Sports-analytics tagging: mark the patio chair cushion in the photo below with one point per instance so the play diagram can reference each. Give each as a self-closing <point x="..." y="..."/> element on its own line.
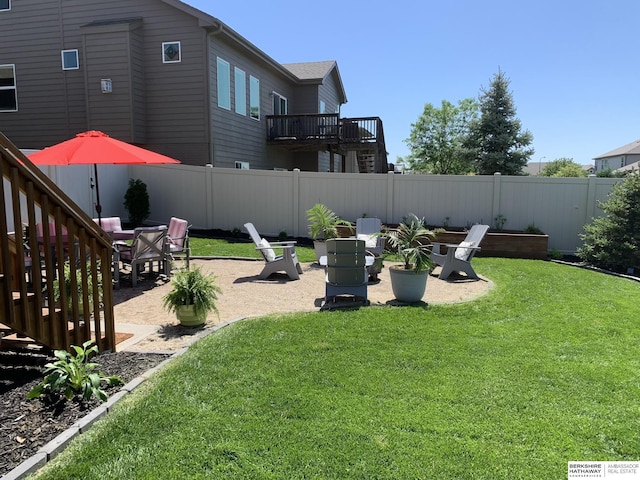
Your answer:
<point x="370" y="241"/>
<point x="270" y="255"/>
<point x="462" y="253"/>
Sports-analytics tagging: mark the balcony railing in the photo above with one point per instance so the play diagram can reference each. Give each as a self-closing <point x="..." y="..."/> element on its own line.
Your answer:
<point x="325" y="128"/>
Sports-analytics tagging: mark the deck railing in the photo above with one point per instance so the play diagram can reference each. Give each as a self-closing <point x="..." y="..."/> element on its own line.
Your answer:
<point x="324" y="127"/>
<point x="55" y="262"/>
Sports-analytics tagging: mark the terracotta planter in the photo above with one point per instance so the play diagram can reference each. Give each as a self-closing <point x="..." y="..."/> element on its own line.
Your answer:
<point x="504" y="244"/>
<point x="408" y="286"/>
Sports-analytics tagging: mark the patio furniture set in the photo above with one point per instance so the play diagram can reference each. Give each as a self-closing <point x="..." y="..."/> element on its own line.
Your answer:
<point x="159" y="244"/>
<point x="351" y="263"/>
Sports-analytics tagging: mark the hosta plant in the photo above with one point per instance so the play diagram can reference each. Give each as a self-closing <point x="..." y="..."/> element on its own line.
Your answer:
<point x="75" y="374"/>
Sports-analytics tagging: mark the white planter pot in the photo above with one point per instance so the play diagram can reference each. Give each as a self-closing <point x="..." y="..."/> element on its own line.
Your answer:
<point x="408" y="286"/>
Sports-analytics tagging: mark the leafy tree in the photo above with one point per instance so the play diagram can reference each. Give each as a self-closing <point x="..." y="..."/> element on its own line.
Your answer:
<point x="436" y="138"/>
<point x="612" y="241"/>
<point x="563" y="167"/>
<point x="496" y="142"/>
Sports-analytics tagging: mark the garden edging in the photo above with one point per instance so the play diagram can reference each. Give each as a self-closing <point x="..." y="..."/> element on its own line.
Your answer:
<point x="49" y="451"/>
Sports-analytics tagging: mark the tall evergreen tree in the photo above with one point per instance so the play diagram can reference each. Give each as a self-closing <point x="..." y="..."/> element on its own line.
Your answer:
<point x="496" y="142"/>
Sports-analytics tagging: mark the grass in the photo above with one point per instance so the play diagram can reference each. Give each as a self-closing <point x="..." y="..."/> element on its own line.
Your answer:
<point x="211" y="247"/>
<point x="541" y="371"/>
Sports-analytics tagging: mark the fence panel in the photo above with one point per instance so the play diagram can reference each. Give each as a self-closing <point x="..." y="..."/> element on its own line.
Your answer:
<point x="276" y="201"/>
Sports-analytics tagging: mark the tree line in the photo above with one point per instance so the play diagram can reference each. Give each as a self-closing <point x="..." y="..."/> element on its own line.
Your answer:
<point x="481" y="137"/>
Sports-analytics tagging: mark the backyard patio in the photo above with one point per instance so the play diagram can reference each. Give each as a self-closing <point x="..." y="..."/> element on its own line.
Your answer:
<point x="139" y="310"/>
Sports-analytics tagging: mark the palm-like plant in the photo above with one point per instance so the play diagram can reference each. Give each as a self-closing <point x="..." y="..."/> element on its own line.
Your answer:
<point x="323" y="222"/>
<point x="411" y="242"/>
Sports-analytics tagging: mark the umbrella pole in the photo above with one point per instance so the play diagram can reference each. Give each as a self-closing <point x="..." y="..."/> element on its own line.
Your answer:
<point x="98" y="206"/>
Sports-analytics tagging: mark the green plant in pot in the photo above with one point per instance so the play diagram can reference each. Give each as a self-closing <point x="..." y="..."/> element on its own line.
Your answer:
<point x="192" y="297"/>
<point x="323" y="225"/>
<point x="411" y="243"/>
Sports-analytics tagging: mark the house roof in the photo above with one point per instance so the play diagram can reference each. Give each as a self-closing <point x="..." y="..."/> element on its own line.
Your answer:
<point x="317" y="72"/>
<point x="629" y="149"/>
<point x="311" y="70"/>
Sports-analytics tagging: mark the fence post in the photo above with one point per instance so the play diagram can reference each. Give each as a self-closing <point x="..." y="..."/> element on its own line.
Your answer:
<point x="497" y="191"/>
<point x="210" y="204"/>
<point x="590" y="211"/>
<point x="295" y="195"/>
<point x="390" y="186"/>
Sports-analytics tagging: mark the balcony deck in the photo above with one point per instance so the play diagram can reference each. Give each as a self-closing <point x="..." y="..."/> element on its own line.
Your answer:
<point x="328" y="132"/>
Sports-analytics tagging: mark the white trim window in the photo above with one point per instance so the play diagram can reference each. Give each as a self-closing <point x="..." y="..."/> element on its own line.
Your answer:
<point x="171" y="52"/>
<point x="224" y="84"/>
<point x="5" y="5"/>
<point x="254" y="97"/>
<point x="280" y="104"/>
<point x="8" y="89"/>
<point x="70" y="59"/>
<point x="240" y="85"/>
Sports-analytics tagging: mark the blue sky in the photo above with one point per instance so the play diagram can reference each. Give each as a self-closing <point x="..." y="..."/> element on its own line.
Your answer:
<point x="573" y="64"/>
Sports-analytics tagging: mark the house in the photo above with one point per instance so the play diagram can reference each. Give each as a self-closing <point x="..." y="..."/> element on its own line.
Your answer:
<point x="618" y="158"/>
<point x="168" y="77"/>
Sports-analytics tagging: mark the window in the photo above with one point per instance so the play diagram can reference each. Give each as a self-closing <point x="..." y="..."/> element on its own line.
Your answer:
<point x="280" y="104"/>
<point x="254" y="97"/>
<point x="323" y="107"/>
<point x="5" y="5"/>
<point x="171" y="52"/>
<point x="241" y="91"/>
<point x="8" y="93"/>
<point x="242" y="165"/>
<point x="70" y="60"/>
<point x="224" y="84"/>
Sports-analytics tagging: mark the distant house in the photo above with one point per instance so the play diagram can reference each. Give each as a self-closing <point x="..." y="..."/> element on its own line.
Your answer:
<point x="171" y="78"/>
<point x="618" y="158"/>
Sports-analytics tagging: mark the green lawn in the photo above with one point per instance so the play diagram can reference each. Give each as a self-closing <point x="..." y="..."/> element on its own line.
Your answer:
<point x="541" y="371"/>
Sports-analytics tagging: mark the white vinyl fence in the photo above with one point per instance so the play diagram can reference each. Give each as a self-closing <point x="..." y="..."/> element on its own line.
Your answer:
<point x="276" y="201"/>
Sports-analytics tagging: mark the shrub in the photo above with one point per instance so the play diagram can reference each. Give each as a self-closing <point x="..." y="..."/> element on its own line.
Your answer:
<point x="612" y="241"/>
<point x="74" y="374"/>
<point x="136" y="201"/>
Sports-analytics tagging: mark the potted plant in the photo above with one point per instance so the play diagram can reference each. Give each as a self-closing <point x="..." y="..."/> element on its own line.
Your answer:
<point x="323" y="225"/>
<point x="192" y="297"/>
<point x="411" y="242"/>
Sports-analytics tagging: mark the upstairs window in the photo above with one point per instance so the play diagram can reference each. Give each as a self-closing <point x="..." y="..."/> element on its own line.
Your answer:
<point x="224" y="84"/>
<point x="70" y="60"/>
<point x="254" y="97"/>
<point x="171" y="52"/>
<point x="5" y="5"/>
<point x="8" y="92"/>
<point x="241" y="91"/>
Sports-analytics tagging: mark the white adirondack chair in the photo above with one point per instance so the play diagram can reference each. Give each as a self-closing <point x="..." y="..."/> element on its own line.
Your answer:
<point x="458" y="257"/>
<point x="286" y="261"/>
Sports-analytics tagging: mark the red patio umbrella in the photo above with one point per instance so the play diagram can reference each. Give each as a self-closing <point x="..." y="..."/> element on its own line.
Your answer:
<point x="96" y="147"/>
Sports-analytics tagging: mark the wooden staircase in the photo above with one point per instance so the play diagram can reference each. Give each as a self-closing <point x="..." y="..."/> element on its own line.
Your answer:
<point x="31" y="263"/>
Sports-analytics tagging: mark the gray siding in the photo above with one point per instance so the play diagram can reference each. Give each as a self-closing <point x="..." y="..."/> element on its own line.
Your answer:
<point x="239" y="137"/>
<point x="167" y="103"/>
<point x="168" y="107"/>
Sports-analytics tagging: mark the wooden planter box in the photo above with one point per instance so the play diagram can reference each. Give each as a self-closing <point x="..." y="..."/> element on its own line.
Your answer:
<point x="504" y="244"/>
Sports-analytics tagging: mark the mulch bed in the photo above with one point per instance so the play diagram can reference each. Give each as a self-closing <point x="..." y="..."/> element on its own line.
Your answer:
<point x="27" y="425"/>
